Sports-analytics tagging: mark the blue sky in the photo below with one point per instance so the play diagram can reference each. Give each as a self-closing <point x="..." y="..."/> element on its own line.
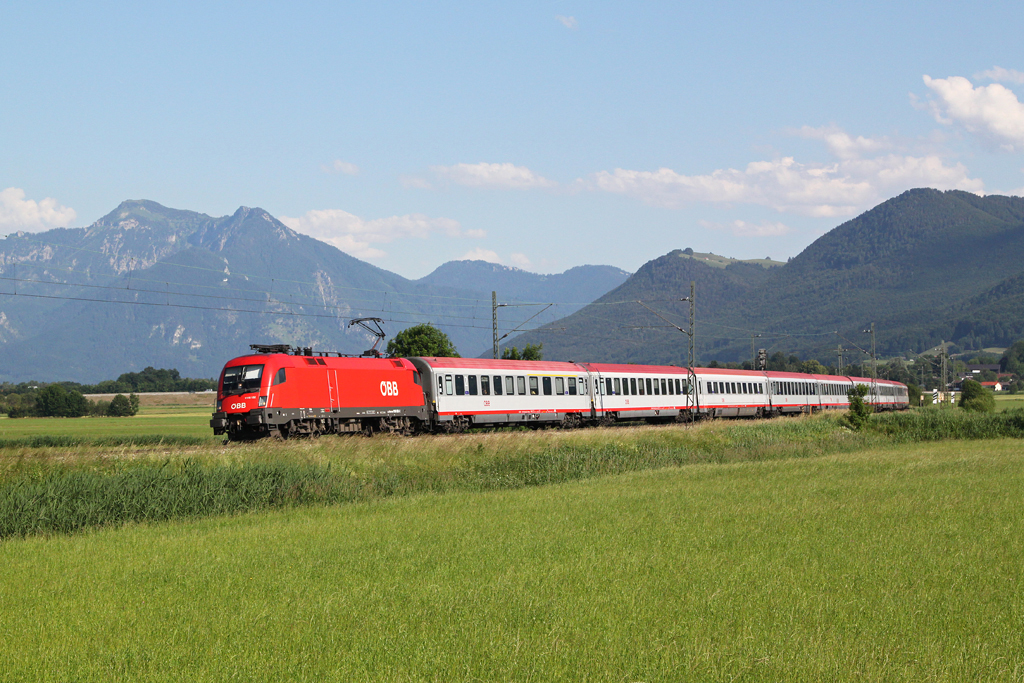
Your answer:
<point x="542" y="135"/>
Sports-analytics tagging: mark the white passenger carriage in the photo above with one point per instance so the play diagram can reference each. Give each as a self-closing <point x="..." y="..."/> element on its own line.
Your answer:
<point x="465" y="392"/>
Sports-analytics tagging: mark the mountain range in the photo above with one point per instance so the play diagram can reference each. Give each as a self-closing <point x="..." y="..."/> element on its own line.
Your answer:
<point x="924" y="267"/>
<point x="147" y="285"/>
<point x="151" y="286"/>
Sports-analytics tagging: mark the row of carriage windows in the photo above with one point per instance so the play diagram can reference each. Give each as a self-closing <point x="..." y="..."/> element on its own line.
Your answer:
<point x="735" y="388"/>
<point x="508" y="385"/>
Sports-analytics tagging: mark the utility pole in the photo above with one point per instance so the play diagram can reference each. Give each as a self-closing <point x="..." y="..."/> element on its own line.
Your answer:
<point x="691" y="376"/>
<point x="753" y="358"/>
<point x="874" y="358"/>
<point x="494" y="322"/>
<point x="839" y="355"/>
<point x="942" y="351"/>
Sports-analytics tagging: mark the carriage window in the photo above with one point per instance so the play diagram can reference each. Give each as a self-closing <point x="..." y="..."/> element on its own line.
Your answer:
<point x="671" y="387"/>
<point x="497" y="385"/>
<point x="533" y="386"/>
<point x="618" y="388"/>
<point x="485" y="385"/>
<point x="440" y="385"/>
<point x="510" y="387"/>
<point x="657" y="389"/>
<point x="640" y="386"/>
<point x="472" y="385"/>
<point x="559" y="386"/>
<point x="547" y="385"/>
<point x="520" y="384"/>
<point x="608" y="386"/>
<point x="572" y="386"/>
<point x="460" y="385"/>
<point x="632" y="386"/>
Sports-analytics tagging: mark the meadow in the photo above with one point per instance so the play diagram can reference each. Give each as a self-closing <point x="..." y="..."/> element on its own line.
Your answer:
<point x="876" y="563"/>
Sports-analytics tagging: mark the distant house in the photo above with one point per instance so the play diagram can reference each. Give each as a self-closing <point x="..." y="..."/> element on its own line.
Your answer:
<point x="978" y="368"/>
<point x="995" y="386"/>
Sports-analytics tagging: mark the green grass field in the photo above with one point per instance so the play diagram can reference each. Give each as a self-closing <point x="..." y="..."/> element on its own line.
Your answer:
<point x="885" y="564"/>
<point x="180" y="420"/>
<point x="1009" y="401"/>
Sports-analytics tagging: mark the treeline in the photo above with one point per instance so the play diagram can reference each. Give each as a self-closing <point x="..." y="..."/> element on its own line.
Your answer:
<point x="55" y="400"/>
<point x="66" y="399"/>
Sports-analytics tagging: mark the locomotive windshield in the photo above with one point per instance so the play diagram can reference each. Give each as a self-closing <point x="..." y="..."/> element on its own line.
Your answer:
<point x="242" y="378"/>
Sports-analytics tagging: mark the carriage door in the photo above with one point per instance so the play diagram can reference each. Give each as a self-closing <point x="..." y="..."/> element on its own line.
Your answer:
<point x="596" y="391"/>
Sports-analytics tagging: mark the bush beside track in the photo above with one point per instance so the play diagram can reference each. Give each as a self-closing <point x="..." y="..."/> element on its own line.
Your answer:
<point x="61" y="491"/>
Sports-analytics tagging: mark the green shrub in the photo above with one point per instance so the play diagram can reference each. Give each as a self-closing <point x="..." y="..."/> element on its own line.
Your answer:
<point x="859" y="411"/>
<point x="977" y="398"/>
<point x="123" y="406"/>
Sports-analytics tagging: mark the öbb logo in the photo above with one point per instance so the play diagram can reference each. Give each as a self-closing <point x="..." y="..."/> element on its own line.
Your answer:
<point x="389" y="388"/>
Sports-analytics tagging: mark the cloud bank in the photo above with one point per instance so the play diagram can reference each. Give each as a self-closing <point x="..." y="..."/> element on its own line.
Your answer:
<point x="825" y="190"/>
<point x="508" y="176"/>
<point x="18" y="213"/>
<point x="991" y="111"/>
<point x="357" y="236"/>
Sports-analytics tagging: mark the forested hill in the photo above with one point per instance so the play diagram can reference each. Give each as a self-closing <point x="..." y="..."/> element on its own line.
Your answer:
<point x="924" y="266"/>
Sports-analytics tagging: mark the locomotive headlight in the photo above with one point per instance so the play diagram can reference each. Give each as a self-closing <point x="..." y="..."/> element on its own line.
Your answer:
<point x="263" y="401"/>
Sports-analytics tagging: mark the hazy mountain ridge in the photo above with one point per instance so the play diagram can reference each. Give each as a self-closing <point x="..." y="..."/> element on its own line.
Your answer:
<point x="179" y="267"/>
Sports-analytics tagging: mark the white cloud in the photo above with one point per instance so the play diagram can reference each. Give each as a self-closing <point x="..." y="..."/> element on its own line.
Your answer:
<point x="1001" y="75"/>
<point x="568" y="22"/>
<point x="480" y="254"/>
<point x="415" y="181"/>
<point x="339" y="166"/>
<point x="492" y="175"/>
<point x="356" y="236"/>
<point x="519" y="260"/>
<point x="841" y="188"/>
<point x="745" y="229"/>
<point x="843" y="145"/>
<point x="991" y="111"/>
<point x="18" y="213"/>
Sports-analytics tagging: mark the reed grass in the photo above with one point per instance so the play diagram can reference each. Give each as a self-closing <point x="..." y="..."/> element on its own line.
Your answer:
<point x="67" y="483"/>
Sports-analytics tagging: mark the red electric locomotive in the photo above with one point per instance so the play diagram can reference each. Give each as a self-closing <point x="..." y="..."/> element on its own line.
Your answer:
<point x="277" y="393"/>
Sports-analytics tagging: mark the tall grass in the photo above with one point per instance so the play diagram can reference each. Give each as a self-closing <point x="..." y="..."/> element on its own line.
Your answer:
<point x="935" y="424"/>
<point x="76" y="486"/>
<point x="72" y="441"/>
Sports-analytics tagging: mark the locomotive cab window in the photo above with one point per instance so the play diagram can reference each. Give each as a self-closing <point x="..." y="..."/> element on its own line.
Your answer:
<point x="242" y="378"/>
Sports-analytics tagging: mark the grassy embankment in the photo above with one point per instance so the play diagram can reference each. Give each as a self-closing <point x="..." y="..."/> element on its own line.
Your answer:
<point x="882" y="564"/>
<point x="68" y="487"/>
